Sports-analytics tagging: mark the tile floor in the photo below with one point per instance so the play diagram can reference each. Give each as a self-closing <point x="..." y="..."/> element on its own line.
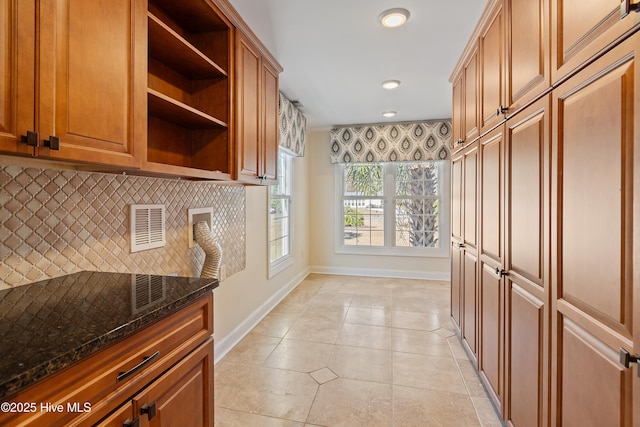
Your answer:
<point x="353" y="351"/>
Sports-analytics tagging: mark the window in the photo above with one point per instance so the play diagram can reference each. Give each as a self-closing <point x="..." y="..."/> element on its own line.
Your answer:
<point x="280" y="198"/>
<point x="393" y="208"/>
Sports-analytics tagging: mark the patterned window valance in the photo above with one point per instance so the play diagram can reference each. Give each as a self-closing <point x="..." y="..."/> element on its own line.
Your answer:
<point x="394" y="142"/>
<point x="293" y="127"/>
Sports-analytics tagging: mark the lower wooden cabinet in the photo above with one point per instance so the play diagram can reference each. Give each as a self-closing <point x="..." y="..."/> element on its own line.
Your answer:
<point x="165" y="368"/>
<point x="181" y="396"/>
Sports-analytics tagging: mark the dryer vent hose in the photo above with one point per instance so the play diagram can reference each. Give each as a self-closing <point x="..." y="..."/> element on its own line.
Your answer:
<point x="211" y="248"/>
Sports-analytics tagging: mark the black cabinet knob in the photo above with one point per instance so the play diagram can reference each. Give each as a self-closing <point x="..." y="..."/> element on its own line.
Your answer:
<point x="53" y="143"/>
<point x="31" y="138"/>
<point x="150" y="410"/>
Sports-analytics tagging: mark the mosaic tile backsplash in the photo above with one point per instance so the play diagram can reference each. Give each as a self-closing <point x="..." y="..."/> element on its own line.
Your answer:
<point x="56" y="222"/>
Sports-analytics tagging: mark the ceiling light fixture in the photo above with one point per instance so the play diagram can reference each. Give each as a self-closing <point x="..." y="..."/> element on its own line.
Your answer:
<point x="389" y="114"/>
<point x="390" y="84"/>
<point x="394" y="17"/>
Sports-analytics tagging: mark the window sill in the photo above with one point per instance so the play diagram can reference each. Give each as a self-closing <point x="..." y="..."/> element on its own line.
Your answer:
<point x="280" y="265"/>
<point x="401" y="252"/>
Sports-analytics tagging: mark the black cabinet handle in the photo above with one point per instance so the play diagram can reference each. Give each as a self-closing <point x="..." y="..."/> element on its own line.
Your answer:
<point x="461" y="245"/>
<point x="53" y="143"/>
<point x="31" y="138"/>
<point x="626" y="359"/>
<point x="459" y="142"/>
<point x="626" y="7"/>
<point x="501" y="273"/>
<point x="502" y="110"/>
<point x="132" y="423"/>
<point x="150" y="410"/>
<point x="147" y="361"/>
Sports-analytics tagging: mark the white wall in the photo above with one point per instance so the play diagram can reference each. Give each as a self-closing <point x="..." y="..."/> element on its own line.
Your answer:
<point x="244" y="298"/>
<point x="322" y="257"/>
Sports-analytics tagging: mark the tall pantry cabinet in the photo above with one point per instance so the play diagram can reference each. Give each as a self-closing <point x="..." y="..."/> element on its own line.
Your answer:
<point x="553" y="291"/>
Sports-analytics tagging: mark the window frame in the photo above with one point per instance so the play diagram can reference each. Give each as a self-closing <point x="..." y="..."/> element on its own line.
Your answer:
<point x="389" y="200"/>
<point x="285" y="173"/>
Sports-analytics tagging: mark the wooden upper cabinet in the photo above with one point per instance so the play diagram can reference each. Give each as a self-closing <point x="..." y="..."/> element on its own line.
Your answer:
<point x="457" y="117"/>
<point x="582" y="28"/>
<point x="528" y="52"/>
<point x="92" y="80"/>
<point x="17" y="82"/>
<point x="492" y="70"/>
<point x="256" y="113"/>
<point x="471" y="130"/>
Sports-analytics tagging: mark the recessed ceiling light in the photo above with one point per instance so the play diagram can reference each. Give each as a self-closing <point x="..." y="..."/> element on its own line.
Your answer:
<point x="390" y="84"/>
<point x="394" y="17"/>
<point x="389" y="113"/>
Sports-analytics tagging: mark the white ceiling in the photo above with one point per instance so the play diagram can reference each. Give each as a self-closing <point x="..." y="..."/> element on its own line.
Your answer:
<point x="335" y="55"/>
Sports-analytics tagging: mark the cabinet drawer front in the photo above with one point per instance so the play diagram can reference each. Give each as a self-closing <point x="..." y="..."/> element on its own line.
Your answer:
<point x="94" y="380"/>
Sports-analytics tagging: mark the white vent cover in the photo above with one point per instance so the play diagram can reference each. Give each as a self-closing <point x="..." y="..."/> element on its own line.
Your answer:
<point x="147" y="227"/>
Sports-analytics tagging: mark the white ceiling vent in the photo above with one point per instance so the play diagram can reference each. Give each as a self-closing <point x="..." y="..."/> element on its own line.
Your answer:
<point x="147" y="227"/>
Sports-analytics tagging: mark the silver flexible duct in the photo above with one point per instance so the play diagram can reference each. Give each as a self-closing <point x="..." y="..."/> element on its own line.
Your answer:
<point x="211" y="248"/>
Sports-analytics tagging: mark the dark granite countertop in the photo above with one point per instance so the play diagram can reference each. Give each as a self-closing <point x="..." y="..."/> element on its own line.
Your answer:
<point x="48" y="325"/>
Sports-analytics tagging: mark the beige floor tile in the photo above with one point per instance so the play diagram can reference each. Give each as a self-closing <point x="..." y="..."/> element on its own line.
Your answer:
<point x="365" y="364"/>
<point x="275" y="324"/>
<point x="315" y="329"/>
<point x="418" y="407"/>
<point x="420" y="342"/>
<point x="456" y="348"/>
<point x="417" y="305"/>
<point x="301" y="356"/>
<point x="289" y="307"/>
<point x="323" y="375"/>
<point x="364" y="288"/>
<point x="330" y="313"/>
<point x="365" y="336"/>
<point x="372" y="301"/>
<point x="417" y="321"/>
<point x="330" y="300"/>
<point x="429" y="372"/>
<point x="485" y="410"/>
<point x="230" y="418"/>
<point x="471" y="379"/>
<point x="265" y="391"/>
<point x="252" y="349"/>
<point x="368" y="316"/>
<point x="352" y="403"/>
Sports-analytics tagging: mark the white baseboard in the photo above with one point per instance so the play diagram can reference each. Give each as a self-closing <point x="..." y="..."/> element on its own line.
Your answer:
<point x="225" y="344"/>
<point x="370" y="272"/>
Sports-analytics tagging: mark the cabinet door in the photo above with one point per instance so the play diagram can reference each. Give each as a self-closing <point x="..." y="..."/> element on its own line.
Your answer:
<point x="527" y="198"/>
<point x="249" y="73"/>
<point x="491" y="329"/>
<point x="596" y="205"/>
<point x="470" y="93"/>
<point x="119" y="417"/>
<point x="17" y="82"/>
<point x="93" y="80"/>
<point x="528" y="51"/>
<point x="457" y="117"/>
<point x="456" y="283"/>
<point x="457" y="196"/>
<point x="470" y="192"/>
<point x="270" y="123"/>
<point x="581" y="28"/>
<point x="492" y="70"/>
<point x="470" y="302"/>
<point x="183" y="396"/>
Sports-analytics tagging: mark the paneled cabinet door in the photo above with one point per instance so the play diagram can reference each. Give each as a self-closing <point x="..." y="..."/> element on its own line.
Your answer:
<point x="270" y="130"/>
<point x="183" y="396"/>
<point x="490" y="249"/>
<point x="457" y="117"/>
<point x="470" y="96"/>
<point x="257" y="114"/>
<point x="527" y="178"/>
<point x="595" y="283"/>
<point x="92" y="74"/>
<point x="492" y="70"/>
<point x="528" y="54"/>
<point x="581" y="28"/>
<point x="456" y="283"/>
<point x="17" y="81"/>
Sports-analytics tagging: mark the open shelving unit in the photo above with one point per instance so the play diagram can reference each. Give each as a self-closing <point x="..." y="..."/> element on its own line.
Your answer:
<point x="189" y="90"/>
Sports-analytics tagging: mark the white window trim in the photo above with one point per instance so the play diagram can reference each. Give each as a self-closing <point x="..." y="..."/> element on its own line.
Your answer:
<point x="444" y="219"/>
<point x="286" y="261"/>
